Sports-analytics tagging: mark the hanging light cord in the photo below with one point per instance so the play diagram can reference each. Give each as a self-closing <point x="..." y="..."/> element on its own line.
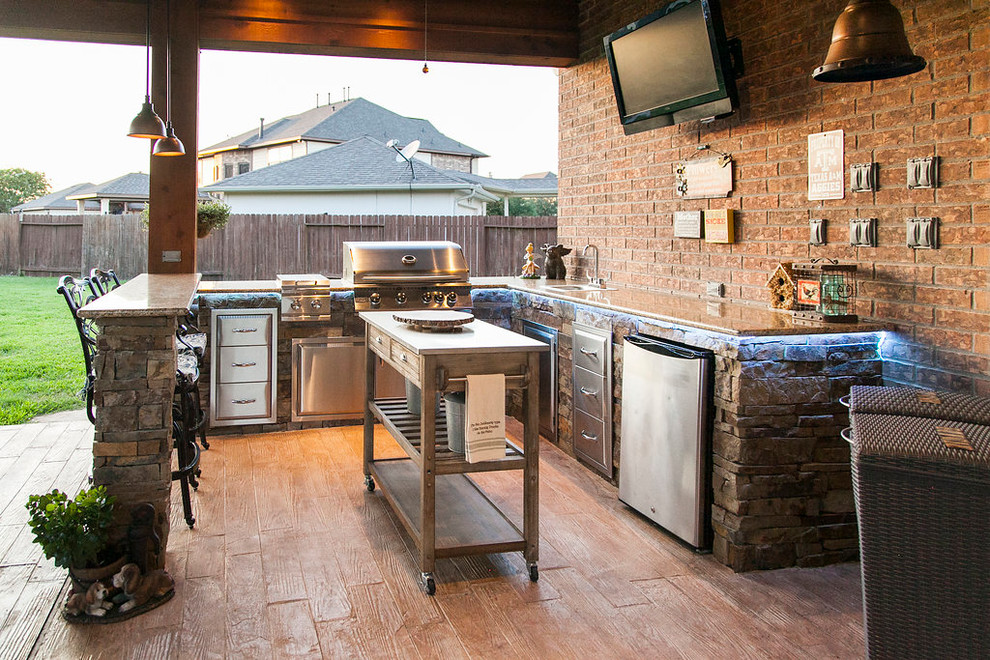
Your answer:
<point x="147" y="53"/>
<point x="168" y="61"/>
<point x="426" y="23"/>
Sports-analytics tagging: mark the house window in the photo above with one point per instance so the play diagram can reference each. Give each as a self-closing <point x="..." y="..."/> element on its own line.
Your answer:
<point x="116" y="208"/>
<point x="243" y="168"/>
<point x="228" y="171"/>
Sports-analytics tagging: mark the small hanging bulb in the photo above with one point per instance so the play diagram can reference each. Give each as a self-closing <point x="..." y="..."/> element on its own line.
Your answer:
<point x="426" y="16"/>
<point x="426" y="68"/>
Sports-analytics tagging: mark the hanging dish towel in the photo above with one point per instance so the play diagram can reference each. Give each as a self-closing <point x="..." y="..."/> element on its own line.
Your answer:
<point x="484" y="432"/>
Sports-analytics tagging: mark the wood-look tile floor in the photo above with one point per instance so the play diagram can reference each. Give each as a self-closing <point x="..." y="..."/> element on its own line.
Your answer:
<point x="292" y="557"/>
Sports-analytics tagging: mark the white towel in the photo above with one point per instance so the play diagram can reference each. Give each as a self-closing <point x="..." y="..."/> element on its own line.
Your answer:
<point x="484" y="418"/>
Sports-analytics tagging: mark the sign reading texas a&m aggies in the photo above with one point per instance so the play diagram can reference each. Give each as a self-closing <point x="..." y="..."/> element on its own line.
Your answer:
<point x="825" y="165"/>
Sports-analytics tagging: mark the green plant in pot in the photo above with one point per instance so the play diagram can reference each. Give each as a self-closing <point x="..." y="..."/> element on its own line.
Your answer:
<point x="209" y="216"/>
<point x="76" y="533"/>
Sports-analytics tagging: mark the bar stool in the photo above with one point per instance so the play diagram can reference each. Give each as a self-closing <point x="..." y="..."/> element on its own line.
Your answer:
<point x="77" y="293"/>
<point x="102" y="281"/>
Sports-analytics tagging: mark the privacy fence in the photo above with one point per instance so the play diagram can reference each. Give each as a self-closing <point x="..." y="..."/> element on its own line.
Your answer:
<point x="260" y="246"/>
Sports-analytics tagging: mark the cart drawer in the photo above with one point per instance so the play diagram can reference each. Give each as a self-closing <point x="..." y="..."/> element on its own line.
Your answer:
<point x="244" y="329"/>
<point x="405" y="361"/>
<point x="379" y="342"/>
<point x="242" y="400"/>
<point x="244" y="364"/>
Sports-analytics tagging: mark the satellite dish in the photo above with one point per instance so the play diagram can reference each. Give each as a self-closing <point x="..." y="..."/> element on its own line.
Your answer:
<point x="407" y="152"/>
<point x="391" y="143"/>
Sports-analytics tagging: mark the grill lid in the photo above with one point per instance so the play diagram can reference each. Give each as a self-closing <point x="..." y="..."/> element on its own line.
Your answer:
<point x="404" y="262"/>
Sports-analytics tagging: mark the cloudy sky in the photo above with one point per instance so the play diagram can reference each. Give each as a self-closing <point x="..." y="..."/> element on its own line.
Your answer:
<point x="66" y="106"/>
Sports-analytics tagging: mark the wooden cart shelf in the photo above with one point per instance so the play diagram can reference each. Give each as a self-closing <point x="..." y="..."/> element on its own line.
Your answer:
<point x="443" y="510"/>
<point x="405" y="428"/>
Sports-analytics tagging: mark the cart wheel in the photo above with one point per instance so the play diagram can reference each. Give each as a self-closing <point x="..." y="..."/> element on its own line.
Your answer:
<point x="427" y="583"/>
<point x="369" y="483"/>
<point x="534" y="573"/>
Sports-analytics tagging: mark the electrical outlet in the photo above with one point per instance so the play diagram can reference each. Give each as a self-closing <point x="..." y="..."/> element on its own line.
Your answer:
<point x="818" y="226"/>
<point x="863" y="177"/>
<point x="922" y="172"/>
<point x="863" y="232"/>
<point x="716" y="289"/>
<point x="922" y="233"/>
<point x="171" y="256"/>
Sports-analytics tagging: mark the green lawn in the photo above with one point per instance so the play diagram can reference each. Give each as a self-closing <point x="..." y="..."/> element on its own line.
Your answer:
<point x="41" y="362"/>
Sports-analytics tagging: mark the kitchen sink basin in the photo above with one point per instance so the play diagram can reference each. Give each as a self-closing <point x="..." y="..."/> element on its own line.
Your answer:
<point x="576" y="287"/>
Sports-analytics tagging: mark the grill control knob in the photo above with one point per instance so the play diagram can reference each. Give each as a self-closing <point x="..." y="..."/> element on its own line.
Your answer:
<point x="315" y="304"/>
<point x="400" y="297"/>
<point x="294" y="305"/>
<point x="427" y="298"/>
<point x="451" y="299"/>
<point x="438" y="298"/>
<point x="375" y="298"/>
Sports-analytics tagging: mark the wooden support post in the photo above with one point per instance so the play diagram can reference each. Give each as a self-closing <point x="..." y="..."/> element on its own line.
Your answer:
<point x="172" y="226"/>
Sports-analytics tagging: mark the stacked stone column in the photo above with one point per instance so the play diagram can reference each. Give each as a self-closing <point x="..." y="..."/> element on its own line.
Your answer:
<point x="132" y="448"/>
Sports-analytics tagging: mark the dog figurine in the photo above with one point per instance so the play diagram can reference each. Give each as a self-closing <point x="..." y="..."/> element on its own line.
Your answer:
<point x="139" y="589"/>
<point x="554" y="262"/>
<point x="89" y="602"/>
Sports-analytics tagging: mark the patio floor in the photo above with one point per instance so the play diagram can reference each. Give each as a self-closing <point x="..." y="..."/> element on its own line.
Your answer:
<point x="292" y="557"/>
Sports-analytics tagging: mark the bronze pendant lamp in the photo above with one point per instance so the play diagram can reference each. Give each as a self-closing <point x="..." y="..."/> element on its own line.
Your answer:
<point x="147" y="123"/>
<point x="868" y="43"/>
<point x="169" y="145"/>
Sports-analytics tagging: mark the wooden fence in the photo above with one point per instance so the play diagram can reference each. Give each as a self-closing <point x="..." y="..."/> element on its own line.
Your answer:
<point x="260" y="246"/>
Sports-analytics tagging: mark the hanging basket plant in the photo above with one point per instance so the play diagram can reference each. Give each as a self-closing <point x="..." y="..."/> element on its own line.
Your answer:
<point x="209" y="216"/>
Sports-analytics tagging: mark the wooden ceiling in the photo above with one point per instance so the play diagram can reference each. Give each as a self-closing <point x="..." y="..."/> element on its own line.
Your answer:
<point x="529" y="32"/>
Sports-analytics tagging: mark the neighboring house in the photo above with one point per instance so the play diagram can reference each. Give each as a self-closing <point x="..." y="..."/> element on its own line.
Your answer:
<point x="360" y="176"/>
<point x="125" y="194"/>
<point x="56" y="203"/>
<point x="542" y="185"/>
<point x="323" y="127"/>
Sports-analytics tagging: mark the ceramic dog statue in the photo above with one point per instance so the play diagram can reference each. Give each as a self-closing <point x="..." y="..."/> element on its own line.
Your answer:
<point x="554" y="262"/>
<point x="89" y="602"/>
<point x="139" y="589"/>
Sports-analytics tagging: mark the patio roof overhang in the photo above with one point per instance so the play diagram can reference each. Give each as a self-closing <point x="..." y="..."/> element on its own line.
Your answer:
<point x="522" y="32"/>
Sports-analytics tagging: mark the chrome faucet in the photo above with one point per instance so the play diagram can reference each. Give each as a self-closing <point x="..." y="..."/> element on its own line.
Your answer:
<point x="596" y="280"/>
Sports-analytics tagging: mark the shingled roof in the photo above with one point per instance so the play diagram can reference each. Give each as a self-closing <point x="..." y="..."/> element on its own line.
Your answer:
<point x="54" y="201"/>
<point x="536" y="186"/>
<point x="363" y="162"/>
<point x="133" y="185"/>
<point x="343" y="121"/>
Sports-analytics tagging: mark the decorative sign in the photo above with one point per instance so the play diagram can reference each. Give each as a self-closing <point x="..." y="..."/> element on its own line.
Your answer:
<point x="809" y="292"/>
<point x="704" y="179"/>
<point x="687" y="224"/>
<point x="826" y="162"/>
<point x="719" y="227"/>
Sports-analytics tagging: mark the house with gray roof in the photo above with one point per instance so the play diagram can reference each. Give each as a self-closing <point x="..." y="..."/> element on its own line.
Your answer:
<point x="57" y="203"/>
<point x="360" y="176"/>
<point x="324" y="126"/>
<point x="125" y="194"/>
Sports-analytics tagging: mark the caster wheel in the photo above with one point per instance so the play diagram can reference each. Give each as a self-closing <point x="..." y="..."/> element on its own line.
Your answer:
<point x="534" y="573"/>
<point x="428" y="584"/>
<point x="369" y="483"/>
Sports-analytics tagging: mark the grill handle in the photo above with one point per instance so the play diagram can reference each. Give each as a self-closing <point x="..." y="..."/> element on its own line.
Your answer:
<point x="388" y="279"/>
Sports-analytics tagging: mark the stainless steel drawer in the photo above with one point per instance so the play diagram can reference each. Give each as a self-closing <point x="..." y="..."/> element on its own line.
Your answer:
<point x="590" y="441"/>
<point x="244" y="364"/>
<point x="589" y="392"/>
<point x="243" y="400"/>
<point x="244" y="329"/>
<point x="590" y="350"/>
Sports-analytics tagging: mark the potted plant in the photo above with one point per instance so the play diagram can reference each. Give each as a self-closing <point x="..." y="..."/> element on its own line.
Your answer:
<point x="209" y="216"/>
<point x="75" y="533"/>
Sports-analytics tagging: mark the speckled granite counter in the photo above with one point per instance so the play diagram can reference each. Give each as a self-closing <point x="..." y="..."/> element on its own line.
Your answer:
<point x="146" y="295"/>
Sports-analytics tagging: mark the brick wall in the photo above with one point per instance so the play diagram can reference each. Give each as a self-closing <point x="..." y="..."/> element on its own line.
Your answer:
<point x="617" y="191"/>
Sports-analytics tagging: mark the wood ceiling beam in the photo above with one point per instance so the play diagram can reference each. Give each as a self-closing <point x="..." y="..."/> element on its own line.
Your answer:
<point x="530" y="32"/>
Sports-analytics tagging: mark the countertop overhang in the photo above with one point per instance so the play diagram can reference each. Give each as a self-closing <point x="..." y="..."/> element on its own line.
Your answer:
<point x="146" y="295"/>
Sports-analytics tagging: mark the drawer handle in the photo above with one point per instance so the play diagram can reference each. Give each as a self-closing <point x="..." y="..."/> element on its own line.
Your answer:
<point x="588" y="437"/>
<point x="243" y="401"/>
<point x="244" y="330"/>
<point x="402" y="356"/>
<point x="243" y="364"/>
<point x="378" y="339"/>
<point x="589" y="353"/>
<point x="586" y="391"/>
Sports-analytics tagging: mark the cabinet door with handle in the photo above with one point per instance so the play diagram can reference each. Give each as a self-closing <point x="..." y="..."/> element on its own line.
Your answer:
<point x="242" y="366"/>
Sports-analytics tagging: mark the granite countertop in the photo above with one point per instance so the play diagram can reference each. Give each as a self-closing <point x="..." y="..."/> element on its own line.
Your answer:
<point x="146" y="295"/>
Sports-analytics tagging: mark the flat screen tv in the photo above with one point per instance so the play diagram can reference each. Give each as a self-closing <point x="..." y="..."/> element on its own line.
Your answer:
<point x="672" y="66"/>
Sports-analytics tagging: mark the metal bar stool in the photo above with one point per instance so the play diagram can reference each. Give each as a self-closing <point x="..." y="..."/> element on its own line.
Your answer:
<point x="77" y="294"/>
<point x="102" y="281"/>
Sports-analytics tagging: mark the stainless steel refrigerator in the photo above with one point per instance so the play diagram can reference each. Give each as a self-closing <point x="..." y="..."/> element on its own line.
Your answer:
<point x="666" y="448"/>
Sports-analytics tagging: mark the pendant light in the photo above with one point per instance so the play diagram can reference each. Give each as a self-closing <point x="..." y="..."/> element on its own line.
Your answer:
<point x="147" y="123"/>
<point x="169" y="145"/>
<point x="868" y="43"/>
<point x="426" y="16"/>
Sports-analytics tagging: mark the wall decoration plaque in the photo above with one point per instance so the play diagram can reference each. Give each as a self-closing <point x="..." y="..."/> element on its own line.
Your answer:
<point x="719" y="226"/>
<point x="687" y="224"/>
<point x="704" y="179"/>
<point x="826" y="159"/>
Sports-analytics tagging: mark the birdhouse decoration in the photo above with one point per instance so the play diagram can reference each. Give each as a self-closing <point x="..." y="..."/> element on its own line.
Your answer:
<point x="781" y="287"/>
<point x="825" y="290"/>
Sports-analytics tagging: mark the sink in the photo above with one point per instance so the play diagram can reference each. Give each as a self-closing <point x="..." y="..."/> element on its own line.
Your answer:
<point x="576" y="287"/>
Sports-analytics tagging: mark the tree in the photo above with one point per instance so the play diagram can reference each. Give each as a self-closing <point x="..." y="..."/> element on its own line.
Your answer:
<point x="525" y="206"/>
<point x="18" y="186"/>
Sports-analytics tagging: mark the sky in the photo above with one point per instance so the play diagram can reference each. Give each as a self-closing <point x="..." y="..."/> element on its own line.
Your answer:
<point x="65" y="107"/>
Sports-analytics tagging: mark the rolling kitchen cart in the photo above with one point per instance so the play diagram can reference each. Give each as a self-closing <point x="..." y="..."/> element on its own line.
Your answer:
<point x="442" y="509"/>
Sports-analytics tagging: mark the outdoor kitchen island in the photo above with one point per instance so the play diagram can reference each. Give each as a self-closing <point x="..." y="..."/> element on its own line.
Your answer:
<point x="445" y="512"/>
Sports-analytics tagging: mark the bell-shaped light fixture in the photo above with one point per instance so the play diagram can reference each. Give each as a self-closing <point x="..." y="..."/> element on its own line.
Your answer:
<point x="169" y="145"/>
<point x="147" y="123"/>
<point x="868" y="43"/>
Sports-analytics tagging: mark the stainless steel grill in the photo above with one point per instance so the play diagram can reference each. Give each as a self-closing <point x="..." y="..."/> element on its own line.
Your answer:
<point x="391" y="275"/>
<point x="305" y="297"/>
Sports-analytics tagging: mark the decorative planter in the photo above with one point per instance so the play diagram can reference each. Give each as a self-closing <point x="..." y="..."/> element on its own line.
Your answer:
<point x="83" y="577"/>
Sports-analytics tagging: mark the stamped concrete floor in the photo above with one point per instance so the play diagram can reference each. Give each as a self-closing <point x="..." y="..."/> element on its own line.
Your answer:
<point x="292" y="557"/>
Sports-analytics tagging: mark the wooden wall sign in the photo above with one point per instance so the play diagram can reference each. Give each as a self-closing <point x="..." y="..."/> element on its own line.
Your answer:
<point x="826" y="164"/>
<point x="704" y="179"/>
<point x="687" y="224"/>
<point x="719" y="226"/>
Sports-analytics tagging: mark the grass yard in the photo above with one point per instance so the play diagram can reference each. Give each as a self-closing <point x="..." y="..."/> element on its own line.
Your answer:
<point x="41" y="362"/>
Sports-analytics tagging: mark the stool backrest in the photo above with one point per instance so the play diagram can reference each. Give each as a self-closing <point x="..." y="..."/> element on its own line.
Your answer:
<point x="77" y="293"/>
<point x="102" y="281"/>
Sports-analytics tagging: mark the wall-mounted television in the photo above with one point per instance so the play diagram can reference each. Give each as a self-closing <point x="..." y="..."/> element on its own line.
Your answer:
<point x="673" y="66"/>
